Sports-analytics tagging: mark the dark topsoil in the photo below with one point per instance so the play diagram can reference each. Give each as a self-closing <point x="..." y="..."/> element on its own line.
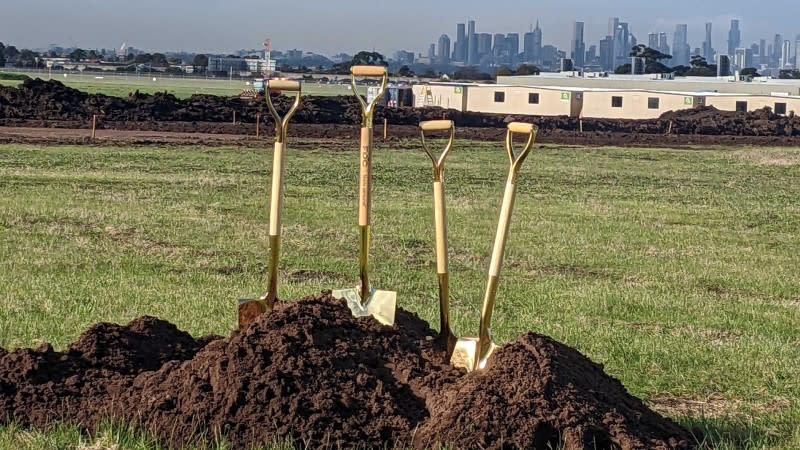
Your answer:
<point x="312" y="373"/>
<point x="51" y="101"/>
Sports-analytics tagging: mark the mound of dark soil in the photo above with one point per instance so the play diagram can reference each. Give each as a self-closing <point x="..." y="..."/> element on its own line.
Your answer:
<point x="53" y="101"/>
<point x="40" y="386"/>
<point x="537" y="393"/>
<point x="312" y="373"/>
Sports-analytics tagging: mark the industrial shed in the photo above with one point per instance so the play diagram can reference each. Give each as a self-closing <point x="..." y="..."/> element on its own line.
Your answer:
<point x="734" y="102"/>
<point x="635" y="104"/>
<point x="527" y="100"/>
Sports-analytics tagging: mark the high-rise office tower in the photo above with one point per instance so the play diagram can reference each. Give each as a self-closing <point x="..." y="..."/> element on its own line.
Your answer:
<point x="663" y="47"/>
<point x="734" y="37"/>
<point x="743" y="58"/>
<point x="723" y="65"/>
<point x="708" y="47"/>
<point x="591" y="55"/>
<point x="537" y="42"/>
<point x="499" y="48"/>
<point x="578" y="50"/>
<point x="680" y="46"/>
<point x="472" y="43"/>
<point x="607" y="53"/>
<point x="512" y="45"/>
<point x="777" y="45"/>
<point x="622" y="45"/>
<point x="786" y="49"/>
<point x="432" y="52"/>
<point x="762" y="52"/>
<point x="797" y="52"/>
<point x="613" y="25"/>
<point x="460" y="51"/>
<point x="484" y="46"/>
<point x="652" y="41"/>
<point x="444" y="49"/>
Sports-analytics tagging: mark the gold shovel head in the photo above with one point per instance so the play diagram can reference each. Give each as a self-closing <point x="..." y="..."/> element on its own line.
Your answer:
<point x="465" y="355"/>
<point x="249" y="310"/>
<point x="381" y="304"/>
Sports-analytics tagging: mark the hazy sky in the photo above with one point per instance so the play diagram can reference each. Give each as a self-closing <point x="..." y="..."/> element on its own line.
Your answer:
<point x="349" y="25"/>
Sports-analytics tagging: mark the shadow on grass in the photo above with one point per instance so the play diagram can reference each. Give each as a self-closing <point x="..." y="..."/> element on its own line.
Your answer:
<point x="738" y="433"/>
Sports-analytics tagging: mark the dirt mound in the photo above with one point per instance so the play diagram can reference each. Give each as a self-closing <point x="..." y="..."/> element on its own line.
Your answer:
<point x="53" y="101"/>
<point x="42" y="385"/>
<point x="312" y="373"/>
<point x="537" y="393"/>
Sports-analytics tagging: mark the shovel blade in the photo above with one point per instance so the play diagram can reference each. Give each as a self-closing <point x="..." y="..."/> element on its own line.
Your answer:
<point x="466" y="354"/>
<point x="249" y="310"/>
<point x="381" y="304"/>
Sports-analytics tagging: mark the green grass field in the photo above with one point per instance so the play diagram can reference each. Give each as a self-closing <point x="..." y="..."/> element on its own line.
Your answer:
<point x="678" y="270"/>
<point x="121" y="86"/>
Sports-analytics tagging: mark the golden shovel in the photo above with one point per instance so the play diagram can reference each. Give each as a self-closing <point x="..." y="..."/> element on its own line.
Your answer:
<point x="362" y="300"/>
<point x="473" y="353"/>
<point x="440" y="216"/>
<point x="250" y="309"/>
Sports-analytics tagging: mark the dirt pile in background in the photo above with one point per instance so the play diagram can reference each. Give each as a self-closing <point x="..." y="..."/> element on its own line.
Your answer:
<point x="52" y="101"/>
<point x="312" y="373"/>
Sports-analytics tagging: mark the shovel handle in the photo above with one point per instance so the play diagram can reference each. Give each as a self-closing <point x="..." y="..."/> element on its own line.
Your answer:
<point x="438" y="125"/>
<point x="365" y="178"/>
<point x="283" y="85"/>
<point x="282" y="123"/>
<point x="440" y="217"/>
<point x="368" y="109"/>
<point x="276" y="197"/>
<point x="503" y="226"/>
<point x="368" y="71"/>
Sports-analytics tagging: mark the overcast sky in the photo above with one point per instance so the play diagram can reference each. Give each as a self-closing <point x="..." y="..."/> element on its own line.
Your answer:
<point x="333" y="26"/>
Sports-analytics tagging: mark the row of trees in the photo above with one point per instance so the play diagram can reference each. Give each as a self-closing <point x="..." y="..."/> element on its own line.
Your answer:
<point x="698" y="66"/>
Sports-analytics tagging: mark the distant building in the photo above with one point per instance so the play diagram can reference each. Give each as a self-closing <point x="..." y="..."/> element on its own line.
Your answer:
<point x="532" y="45"/>
<point x="723" y="65"/>
<point x="708" y="48"/>
<point x="512" y="44"/>
<point x="743" y="58"/>
<point x="663" y="47"/>
<point x="484" y="46"/>
<point x="607" y="53"/>
<point x="578" y="50"/>
<point x="227" y="65"/>
<point x="797" y="52"/>
<point x="444" y="49"/>
<point x="404" y="57"/>
<point x="461" y="45"/>
<point x="734" y="37"/>
<point x="472" y="43"/>
<point x="680" y="46"/>
<point x="785" y="54"/>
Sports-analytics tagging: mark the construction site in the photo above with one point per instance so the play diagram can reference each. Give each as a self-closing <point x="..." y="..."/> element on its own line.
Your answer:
<point x="363" y="367"/>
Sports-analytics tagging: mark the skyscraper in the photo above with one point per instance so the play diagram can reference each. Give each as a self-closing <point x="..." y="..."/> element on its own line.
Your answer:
<point x="663" y="47"/>
<point x="512" y="46"/>
<point x="484" y="47"/>
<point x="460" y="53"/>
<point x="777" y="45"/>
<point x="472" y="43"/>
<point x="797" y="52"/>
<point x="652" y="40"/>
<point x="708" y="47"/>
<point x="785" y="54"/>
<point x="762" y="52"/>
<point x="680" y="46"/>
<point x="499" y="48"/>
<point x="537" y="43"/>
<point x="607" y="53"/>
<point x="578" y="50"/>
<point x="444" y="49"/>
<point x="734" y="37"/>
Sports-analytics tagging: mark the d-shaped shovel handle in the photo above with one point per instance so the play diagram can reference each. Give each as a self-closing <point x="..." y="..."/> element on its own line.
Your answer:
<point x="504" y="223"/>
<point x="440" y="216"/>
<point x="282" y="123"/>
<point x="371" y="72"/>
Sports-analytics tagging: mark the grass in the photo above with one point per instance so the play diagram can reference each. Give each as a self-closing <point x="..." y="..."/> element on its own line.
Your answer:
<point x="122" y="85"/>
<point x="675" y="269"/>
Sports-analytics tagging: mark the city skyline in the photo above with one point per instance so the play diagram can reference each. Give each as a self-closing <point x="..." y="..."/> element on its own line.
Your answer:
<point x="92" y="24"/>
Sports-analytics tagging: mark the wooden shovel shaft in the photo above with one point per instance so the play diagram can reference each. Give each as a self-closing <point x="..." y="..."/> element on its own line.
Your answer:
<point x="495" y="266"/>
<point x="276" y="208"/>
<point x="365" y="208"/>
<point x="440" y="216"/>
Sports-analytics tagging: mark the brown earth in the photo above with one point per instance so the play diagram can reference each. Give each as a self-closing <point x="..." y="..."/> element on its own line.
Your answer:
<point x="40" y="103"/>
<point x="335" y="137"/>
<point x="312" y="373"/>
